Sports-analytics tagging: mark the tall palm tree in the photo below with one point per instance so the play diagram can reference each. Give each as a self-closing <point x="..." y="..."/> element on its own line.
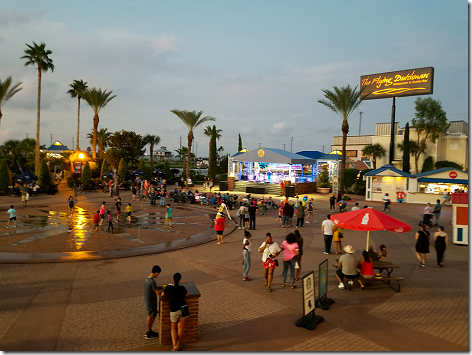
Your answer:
<point x="103" y="136"/>
<point x="343" y="101"/>
<point x="214" y="135"/>
<point x="182" y="155"/>
<point x="192" y="120"/>
<point x="38" y="55"/>
<point x="6" y="92"/>
<point x="375" y="151"/>
<point x="152" y="141"/>
<point x="77" y="89"/>
<point x="97" y="99"/>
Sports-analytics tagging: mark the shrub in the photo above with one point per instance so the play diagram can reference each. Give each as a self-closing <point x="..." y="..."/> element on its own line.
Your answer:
<point x="447" y="163"/>
<point x="428" y="164"/>
<point x="44" y="177"/>
<point x="5" y="176"/>
<point x="86" y="174"/>
<point x="350" y="177"/>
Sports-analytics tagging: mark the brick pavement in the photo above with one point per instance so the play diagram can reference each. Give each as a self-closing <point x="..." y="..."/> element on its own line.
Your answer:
<point x="98" y="305"/>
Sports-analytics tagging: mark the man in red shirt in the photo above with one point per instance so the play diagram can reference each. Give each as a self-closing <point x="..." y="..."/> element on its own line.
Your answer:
<point x="282" y="186"/>
<point x="220" y="227"/>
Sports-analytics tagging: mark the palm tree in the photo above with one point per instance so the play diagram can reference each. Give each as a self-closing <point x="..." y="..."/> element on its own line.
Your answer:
<point x="38" y="56"/>
<point x="375" y="151"/>
<point x="214" y="135"/>
<point x="182" y="155"/>
<point x="6" y="92"/>
<point x="76" y="91"/>
<point x="192" y="120"/>
<point x="343" y="101"/>
<point x="97" y="99"/>
<point x="152" y="141"/>
<point x="103" y="137"/>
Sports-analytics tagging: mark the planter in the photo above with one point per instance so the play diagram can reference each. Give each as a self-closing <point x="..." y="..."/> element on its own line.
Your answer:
<point x="324" y="190"/>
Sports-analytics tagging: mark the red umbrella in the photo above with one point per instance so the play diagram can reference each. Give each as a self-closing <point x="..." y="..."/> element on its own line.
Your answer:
<point x="368" y="219"/>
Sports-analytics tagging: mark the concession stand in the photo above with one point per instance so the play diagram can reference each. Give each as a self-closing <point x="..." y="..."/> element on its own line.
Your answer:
<point x="386" y="179"/>
<point x="460" y="218"/>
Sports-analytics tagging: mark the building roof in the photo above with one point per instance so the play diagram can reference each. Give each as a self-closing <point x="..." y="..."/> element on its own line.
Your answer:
<point x="313" y="154"/>
<point x="273" y="155"/>
<point x="57" y="147"/>
<point x="438" y="175"/>
<point x="387" y="170"/>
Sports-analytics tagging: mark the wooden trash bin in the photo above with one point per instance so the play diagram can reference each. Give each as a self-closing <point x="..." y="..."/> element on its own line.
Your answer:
<point x="191" y="323"/>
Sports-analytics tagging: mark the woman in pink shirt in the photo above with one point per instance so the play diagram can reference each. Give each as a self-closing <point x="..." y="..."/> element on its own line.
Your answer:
<point x="291" y="250"/>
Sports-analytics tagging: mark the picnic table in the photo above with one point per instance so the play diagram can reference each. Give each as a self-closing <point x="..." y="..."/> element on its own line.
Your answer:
<point x="385" y="269"/>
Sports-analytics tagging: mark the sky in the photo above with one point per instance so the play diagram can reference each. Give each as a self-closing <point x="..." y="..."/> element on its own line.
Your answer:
<point x="257" y="66"/>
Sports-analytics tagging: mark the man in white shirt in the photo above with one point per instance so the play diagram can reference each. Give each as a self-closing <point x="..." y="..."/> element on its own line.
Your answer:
<point x="327" y="229"/>
<point x="356" y="207"/>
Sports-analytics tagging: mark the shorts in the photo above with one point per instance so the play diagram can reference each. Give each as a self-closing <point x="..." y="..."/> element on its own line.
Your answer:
<point x="168" y="219"/>
<point x="96" y="224"/>
<point x="342" y="276"/>
<point x="269" y="264"/>
<point x="152" y="313"/>
<point x="102" y="216"/>
<point x="129" y="214"/>
<point x="23" y="198"/>
<point x="219" y="232"/>
<point x="13" y="218"/>
<point x="366" y="276"/>
<point x="176" y="316"/>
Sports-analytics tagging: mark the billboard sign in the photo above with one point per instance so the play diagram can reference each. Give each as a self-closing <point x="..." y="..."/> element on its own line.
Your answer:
<point x="409" y="82"/>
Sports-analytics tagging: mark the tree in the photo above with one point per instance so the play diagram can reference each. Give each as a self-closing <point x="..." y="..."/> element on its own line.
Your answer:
<point x="128" y="145"/>
<point x="192" y="120"/>
<point x="38" y="56"/>
<point x="343" y="101"/>
<point x="430" y="121"/>
<point x="103" y="136"/>
<point x="214" y="135"/>
<point x="152" y="141"/>
<point x="86" y="176"/>
<point x="5" y="176"/>
<point x="105" y="167"/>
<point x="240" y="143"/>
<point x="375" y="151"/>
<point x="122" y="168"/>
<point x="44" y="176"/>
<point x="19" y="155"/>
<point x="97" y="99"/>
<point x="182" y="154"/>
<point x="445" y="163"/>
<point x="168" y="174"/>
<point x="7" y="92"/>
<point x="428" y="164"/>
<point x="406" y="149"/>
<point x="414" y="149"/>
<point x="77" y="89"/>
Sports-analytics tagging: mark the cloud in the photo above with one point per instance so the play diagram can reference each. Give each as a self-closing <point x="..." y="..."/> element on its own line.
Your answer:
<point x="281" y="129"/>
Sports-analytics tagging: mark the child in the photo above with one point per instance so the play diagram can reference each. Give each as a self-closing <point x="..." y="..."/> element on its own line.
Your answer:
<point x="102" y="212"/>
<point x="71" y="205"/>
<point x="110" y="222"/>
<point x="129" y="210"/>
<point x="12" y="213"/>
<point x="168" y="216"/>
<point x="151" y="290"/>
<point x="96" y="220"/>
<point x="118" y="209"/>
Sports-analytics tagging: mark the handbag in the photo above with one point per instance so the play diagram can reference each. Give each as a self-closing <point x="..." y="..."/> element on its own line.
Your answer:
<point x="238" y="213"/>
<point x="185" y="311"/>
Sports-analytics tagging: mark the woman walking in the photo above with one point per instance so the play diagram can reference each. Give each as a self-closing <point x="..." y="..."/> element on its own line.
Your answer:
<point x="71" y="205"/>
<point x="338" y="239"/>
<point x="386" y="201"/>
<point x="299" y="256"/>
<point x="422" y="245"/>
<point x="441" y="244"/>
<point x="178" y="308"/>
<point x="291" y="250"/>
<point x="242" y="216"/>
<point x="332" y="200"/>
<point x="285" y="215"/>
<point x="270" y="250"/>
<point x="246" y="255"/>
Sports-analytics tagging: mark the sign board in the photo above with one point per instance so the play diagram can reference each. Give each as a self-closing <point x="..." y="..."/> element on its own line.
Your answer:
<point x="78" y="167"/>
<point x="308" y="282"/>
<point x="453" y="174"/>
<point x="409" y="82"/>
<point x="323" y="287"/>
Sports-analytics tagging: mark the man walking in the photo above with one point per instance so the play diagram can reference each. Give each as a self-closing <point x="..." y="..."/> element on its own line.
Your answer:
<point x="151" y="290"/>
<point x="327" y="229"/>
<point x="437" y="211"/>
<point x="252" y="216"/>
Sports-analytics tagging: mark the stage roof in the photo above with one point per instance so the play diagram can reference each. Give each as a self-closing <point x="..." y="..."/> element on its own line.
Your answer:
<point x="273" y="155"/>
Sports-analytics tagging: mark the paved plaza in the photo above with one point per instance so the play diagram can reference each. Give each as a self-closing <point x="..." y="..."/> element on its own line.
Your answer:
<point x="69" y="288"/>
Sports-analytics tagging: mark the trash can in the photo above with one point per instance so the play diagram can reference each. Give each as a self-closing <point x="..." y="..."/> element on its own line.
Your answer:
<point x="223" y="185"/>
<point x="290" y="191"/>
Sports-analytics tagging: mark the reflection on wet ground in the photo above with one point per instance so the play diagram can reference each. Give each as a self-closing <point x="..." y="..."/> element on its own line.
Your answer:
<point x="80" y="225"/>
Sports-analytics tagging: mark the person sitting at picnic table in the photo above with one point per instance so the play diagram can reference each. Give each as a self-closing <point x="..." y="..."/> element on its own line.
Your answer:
<point x="382" y="254"/>
<point x="347" y="266"/>
<point x="372" y="254"/>
<point x="367" y="268"/>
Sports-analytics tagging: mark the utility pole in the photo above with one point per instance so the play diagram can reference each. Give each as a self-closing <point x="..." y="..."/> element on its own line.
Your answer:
<point x="51" y="138"/>
<point x="284" y="146"/>
<point x="360" y="121"/>
<point x="291" y="141"/>
<point x="196" y="150"/>
<point x="180" y="143"/>
<point x="323" y="148"/>
<point x="259" y="145"/>
<point x="72" y="141"/>
<point x="26" y="135"/>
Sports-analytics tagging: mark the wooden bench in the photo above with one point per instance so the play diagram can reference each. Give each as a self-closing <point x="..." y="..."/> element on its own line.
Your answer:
<point x="386" y="280"/>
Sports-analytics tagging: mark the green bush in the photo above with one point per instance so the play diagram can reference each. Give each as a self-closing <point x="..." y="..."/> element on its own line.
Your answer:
<point x="122" y="169"/>
<point x="428" y="164"/>
<point x="448" y="164"/>
<point x="324" y="178"/>
<point x="44" y="177"/>
<point x="86" y="174"/>
<point x="350" y="177"/>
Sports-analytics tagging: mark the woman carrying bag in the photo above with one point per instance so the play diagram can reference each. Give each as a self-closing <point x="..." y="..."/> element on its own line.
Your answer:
<point x="178" y="310"/>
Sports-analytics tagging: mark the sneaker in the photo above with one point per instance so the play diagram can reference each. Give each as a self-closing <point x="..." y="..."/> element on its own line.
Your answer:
<point x="5" y="227"/>
<point x="325" y="253"/>
<point x="150" y="335"/>
<point x="341" y="286"/>
<point x="239" y="228"/>
<point x="16" y="226"/>
<point x="307" y="222"/>
<point x="423" y="265"/>
<point x="155" y="333"/>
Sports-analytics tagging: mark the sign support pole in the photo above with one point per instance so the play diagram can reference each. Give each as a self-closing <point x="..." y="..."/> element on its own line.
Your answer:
<point x="392" y="134"/>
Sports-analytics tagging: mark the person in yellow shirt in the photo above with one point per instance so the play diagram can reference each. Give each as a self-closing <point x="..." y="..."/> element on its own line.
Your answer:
<point x="338" y="239"/>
